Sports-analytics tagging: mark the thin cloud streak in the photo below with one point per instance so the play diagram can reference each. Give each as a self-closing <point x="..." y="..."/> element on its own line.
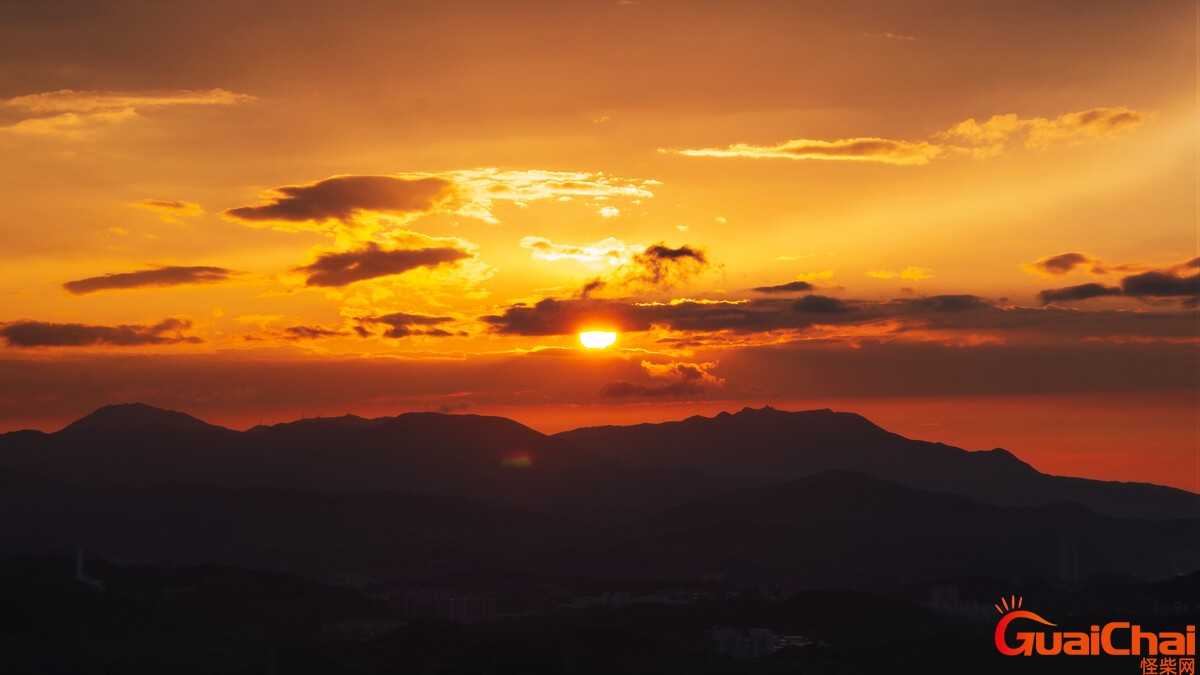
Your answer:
<point x="980" y="140"/>
<point x="161" y="277"/>
<point x="31" y="334"/>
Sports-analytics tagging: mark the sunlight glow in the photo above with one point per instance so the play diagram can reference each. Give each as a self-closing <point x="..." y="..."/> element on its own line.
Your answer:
<point x="596" y="339"/>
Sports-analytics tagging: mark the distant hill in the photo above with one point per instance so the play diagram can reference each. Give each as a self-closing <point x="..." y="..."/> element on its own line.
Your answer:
<point x="390" y="536"/>
<point x="485" y="458"/>
<point x="775" y="445"/>
<point x="137" y="415"/>
<point x="843" y="529"/>
<point x="596" y="473"/>
<point x="830" y="530"/>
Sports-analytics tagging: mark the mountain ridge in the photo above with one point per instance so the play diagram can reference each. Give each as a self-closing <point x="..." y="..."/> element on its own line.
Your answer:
<point x="613" y="469"/>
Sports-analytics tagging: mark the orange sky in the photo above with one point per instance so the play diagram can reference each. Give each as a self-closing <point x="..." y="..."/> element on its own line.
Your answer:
<point x="257" y="210"/>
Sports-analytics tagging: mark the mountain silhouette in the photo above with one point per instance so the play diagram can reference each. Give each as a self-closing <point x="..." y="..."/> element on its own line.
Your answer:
<point x="829" y="530"/>
<point x="775" y="445"/>
<point x="487" y="458"/>
<point x="598" y="472"/>
<point x="137" y="415"/>
<point x="844" y="529"/>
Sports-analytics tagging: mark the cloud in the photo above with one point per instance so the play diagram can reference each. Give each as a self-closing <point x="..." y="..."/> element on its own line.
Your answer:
<point x="910" y="273"/>
<point x="849" y="149"/>
<point x="171" y="208"/>
<point x="66" y="100"/>
<point x="684" y="379"/>
<point x="68" y="125"/>
<point x="1062" y="264"/>
<point x="1169" y="282"/>
<point x="821" y="304"/>
<point x="362" y="203"/>
<point x="790" y="287"/>
<point x="662" y="266"/>
<point x="479" y="189"/>
<point x="28" y="334"/>
<point x="611" y="251"/>
<point x="969" y="137"/>
<point x="371" y="261"/>
<point x="401" y="324"/>
<point x="162" y="276"/>
<point x="310" y="332"/>
<point x="341" y="198"/>
<point x="657" y="266"/>
<point x="566" y="317"/>
<point x="990" y="137"/>
<point x="1080" y="292"/>
<point x="484" y="185"/>
<point x="952" y="319"/>
<point x="634" y="267"/>
<point x="950" y="303"/>
<point x="74" y="113"/>
<point x="1161" y="284"/>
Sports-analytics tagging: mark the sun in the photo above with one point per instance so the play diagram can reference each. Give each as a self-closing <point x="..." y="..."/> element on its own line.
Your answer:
<point x="597" y="339"/>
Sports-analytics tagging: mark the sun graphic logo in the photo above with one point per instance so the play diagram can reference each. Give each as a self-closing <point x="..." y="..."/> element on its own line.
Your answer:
<point x="1116" y="638"/>
<point x="1012" y="612"/>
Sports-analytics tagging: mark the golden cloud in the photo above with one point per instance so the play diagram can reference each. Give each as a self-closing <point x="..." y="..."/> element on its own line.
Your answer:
<point x="969" y="137"/>
<point x="849" y="149"/>
<point x="66" y="100"/>
<point x="910" y="273"/>
<point x="73" y="113"/>
<point x="362" y="206"/>
<point x="612" y="251"/>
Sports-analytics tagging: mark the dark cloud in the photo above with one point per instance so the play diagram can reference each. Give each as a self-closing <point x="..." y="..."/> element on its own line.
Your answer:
<point x="163" y="276"/>
<point x="1162" y="284"/>
<point x="591" y="287"/>
<point x="791" y="287"/>
<point x="402" y="325"/>
<point x="1080" y="292"/>
<point x="660" y="265"/>
<point x="27" y="334"/>
<point x="565" y="317"/>
<point x="1063" y="263"/>
<point x="310" y="332"/>
<point x="937" y="315"/>
<point x="341" y="269"/>
<point x="951" y="303"/>
<point x="341" y="197"/>
<point x="685" y="379"/>
<point x="821" y="304"/>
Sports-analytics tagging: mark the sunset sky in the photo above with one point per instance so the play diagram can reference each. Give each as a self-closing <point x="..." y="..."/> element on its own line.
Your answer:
<point x="972" y="222"/>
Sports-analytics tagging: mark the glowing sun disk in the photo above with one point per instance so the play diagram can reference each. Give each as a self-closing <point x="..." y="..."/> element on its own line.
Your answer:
<point x="595" y="339"/>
